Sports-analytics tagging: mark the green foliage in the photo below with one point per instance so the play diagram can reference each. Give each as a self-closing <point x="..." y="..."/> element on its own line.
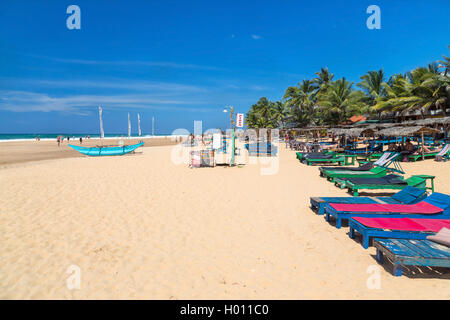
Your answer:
<point x="324" y="101"/>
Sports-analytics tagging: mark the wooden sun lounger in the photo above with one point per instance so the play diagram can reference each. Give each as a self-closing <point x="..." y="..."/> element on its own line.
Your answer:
<point x="372" y="173"/>
<point x="368" y="233"/>
<point x="404" y="252"/>
<point x="418" y="181"/>
<point x="337" y="159"/>
<point x="301" y="155"/>
<point x="415" y="157"/>
<point x="437" y="199"/>
<point x="405" y="196"/>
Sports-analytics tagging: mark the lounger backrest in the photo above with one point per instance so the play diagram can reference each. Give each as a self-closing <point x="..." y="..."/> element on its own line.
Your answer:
<point x="391" y="157"/>
<point x="409" y="195"/>
<point x="440" y="200"/>
<point x="382" y="159"/>
<point x="444" y="150"/>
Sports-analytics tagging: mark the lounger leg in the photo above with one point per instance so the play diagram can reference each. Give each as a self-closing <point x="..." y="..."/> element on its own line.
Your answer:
<point x="338" y="223"/>
<point x="321" y="209"/>
<point x="351" y="233"/>
<point x="365" y="241"/>
<point x="355" y="193"/>
<point x="327" y="217"/>
<point x="397" y="270"/>
<point x="380" y="256"/>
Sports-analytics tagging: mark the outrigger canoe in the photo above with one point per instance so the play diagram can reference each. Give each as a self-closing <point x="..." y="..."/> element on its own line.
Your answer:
<point x="106" y="151"/>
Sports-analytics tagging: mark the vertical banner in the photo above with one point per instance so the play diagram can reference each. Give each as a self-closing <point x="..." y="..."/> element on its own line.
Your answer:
<point x="239" y="120"/>
<point x="102" y="134"/>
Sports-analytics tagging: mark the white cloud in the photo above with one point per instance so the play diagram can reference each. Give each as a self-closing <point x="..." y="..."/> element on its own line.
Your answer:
<point x="256" y="37"/>
<point x="258" y="88"/>
<point x="124" y="84"/>
<point x="24" y="101"/>
<point x="162" y="64"/>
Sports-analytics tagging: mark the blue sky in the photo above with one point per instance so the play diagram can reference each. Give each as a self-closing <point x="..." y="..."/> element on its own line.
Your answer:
<point x="181" y="61"/>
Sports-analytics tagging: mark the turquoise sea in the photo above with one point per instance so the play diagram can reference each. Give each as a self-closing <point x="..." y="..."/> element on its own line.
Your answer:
<point x="28" y="136"/>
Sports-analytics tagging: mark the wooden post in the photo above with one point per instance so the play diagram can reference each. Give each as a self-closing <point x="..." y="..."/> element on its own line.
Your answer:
<point x="423" y="156"/>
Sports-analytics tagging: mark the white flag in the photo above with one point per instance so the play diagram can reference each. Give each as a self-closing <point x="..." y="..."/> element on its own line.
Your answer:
<point x="102" y="134"/>
<point x="129" y="126"/>
<point x="139" y="125"/>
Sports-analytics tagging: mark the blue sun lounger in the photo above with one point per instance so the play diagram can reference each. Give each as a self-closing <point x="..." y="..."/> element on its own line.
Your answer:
<point x="369" y="149"/>
<point x="405" y="196"/>
<point x="368" y="233"/>
<point x="412" y="252"/>
<point x="437" y="199"/>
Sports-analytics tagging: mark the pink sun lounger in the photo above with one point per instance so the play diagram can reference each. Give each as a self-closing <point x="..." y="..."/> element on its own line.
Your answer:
<point x="405" y="224"/>
<point x="395" y="228"/>
<point x="421" y="207"/>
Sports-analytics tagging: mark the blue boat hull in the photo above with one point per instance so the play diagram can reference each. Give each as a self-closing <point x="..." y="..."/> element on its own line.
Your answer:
<point x="106" y="151"/>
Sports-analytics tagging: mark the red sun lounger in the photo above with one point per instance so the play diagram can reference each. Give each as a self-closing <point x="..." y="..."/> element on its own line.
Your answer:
<point x="421" y="207"/>
<point x="395" y="228"/>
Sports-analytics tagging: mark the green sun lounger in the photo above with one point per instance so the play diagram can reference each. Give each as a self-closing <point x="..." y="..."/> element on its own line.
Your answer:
<point x="388" y="182"/>
<point x="339" y="159"/>
<point x="429" y="155"/>
<point x="331" y="175"/>
<point x="371" y="157"/>
<point x="302" y="155"/>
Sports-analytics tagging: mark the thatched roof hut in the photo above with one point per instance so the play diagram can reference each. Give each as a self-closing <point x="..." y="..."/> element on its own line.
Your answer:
<point x="405" y="131"/>
<point x="351" y="132"/>
<point x="428" y="121"/>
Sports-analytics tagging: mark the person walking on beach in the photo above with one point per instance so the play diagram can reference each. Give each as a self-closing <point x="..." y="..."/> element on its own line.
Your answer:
<point x="58" y="139"/>
<point x="81" y="140"/>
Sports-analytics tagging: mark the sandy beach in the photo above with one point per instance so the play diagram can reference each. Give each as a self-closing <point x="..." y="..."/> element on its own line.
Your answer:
<point x="142" y="227"/>
<point x="13" y="152"/>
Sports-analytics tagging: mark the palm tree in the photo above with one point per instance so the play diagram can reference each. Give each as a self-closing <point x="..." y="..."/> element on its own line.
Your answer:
<point x="263" y="114"/>
<point x="340" y="102"/>
<point x="421" y="89"/>
<point x="373" y="85"/>
<point x="446" y="64"/>
<point x="280" y="113"/>
<point x="396" y="87"/>
<point x="324" y="78"/>
<point x="300" y="100"/>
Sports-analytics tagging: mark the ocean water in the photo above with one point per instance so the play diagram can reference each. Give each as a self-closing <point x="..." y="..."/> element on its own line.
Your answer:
<point x="27" y="136"/>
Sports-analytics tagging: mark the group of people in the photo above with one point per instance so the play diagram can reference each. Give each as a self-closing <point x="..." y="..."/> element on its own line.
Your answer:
<point x="60" y="139"/>
<point x="407" y="148"/>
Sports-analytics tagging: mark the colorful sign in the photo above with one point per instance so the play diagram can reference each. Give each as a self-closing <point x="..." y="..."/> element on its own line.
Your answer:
<point x="239" y="120"/>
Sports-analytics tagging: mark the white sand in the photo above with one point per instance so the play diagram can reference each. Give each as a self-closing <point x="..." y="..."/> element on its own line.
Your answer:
<point x="141" y="227"/>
